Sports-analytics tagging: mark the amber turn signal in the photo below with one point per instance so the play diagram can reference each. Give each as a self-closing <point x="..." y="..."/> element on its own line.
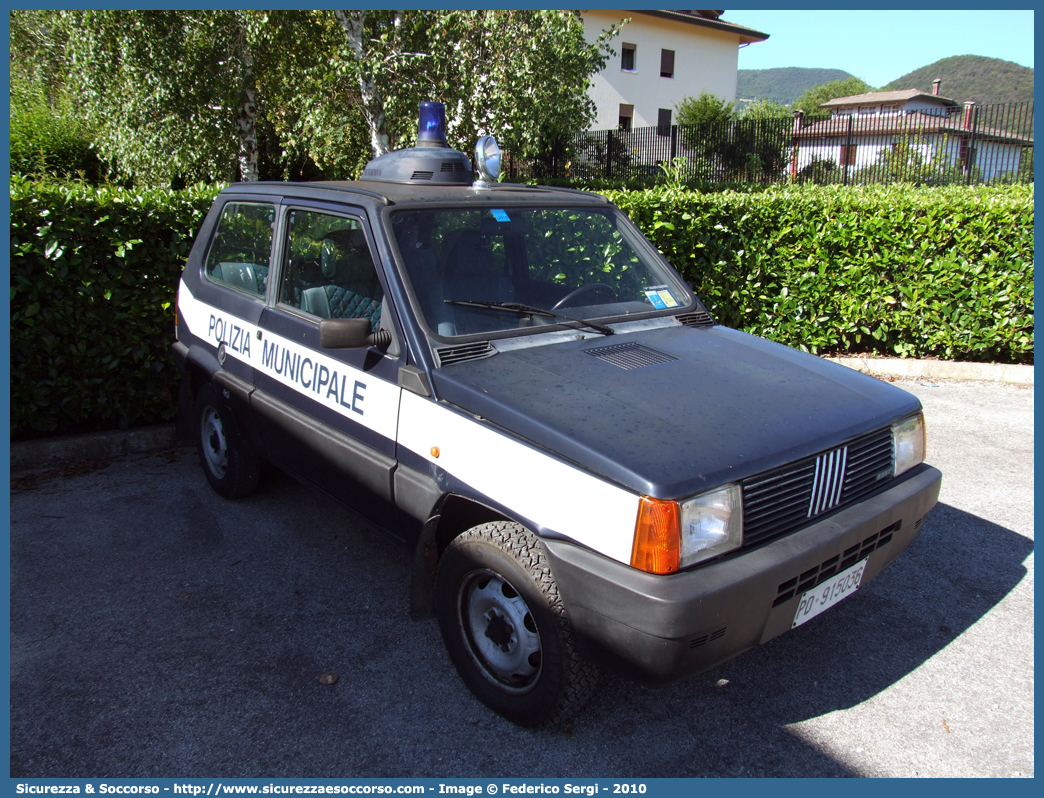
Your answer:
<point x="657" y="537"/>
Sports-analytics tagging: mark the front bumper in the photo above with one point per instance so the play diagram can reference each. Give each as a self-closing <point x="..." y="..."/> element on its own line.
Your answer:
<point x="665" y="628"/>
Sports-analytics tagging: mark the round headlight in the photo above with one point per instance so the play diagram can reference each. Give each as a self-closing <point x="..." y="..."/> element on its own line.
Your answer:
<point x="487" y="159"/>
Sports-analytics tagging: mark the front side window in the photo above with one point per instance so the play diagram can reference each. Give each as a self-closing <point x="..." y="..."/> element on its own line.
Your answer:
<point x="242" y="245"/>
<point x="578" y="261"/>
<point x="328" y="270"/>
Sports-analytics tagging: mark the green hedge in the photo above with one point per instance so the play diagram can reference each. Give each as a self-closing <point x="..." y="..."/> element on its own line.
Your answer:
<point x="93" y="276"/>
<point x="942" y="273"/>
<point x="895" y="271"/>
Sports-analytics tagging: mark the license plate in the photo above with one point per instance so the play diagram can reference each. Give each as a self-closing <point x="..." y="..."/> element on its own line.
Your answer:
<point x="826" y="595"/>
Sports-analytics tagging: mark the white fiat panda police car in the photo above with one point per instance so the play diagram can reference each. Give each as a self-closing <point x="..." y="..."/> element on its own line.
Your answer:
<point x="513" y="382"/>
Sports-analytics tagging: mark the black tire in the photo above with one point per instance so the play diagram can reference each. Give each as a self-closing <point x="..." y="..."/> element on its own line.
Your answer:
<point x="523" y="664"/>
<point x="231" y="469"/>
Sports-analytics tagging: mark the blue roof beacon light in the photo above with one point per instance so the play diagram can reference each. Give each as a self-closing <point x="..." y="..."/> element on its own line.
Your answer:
<point x="431" y="126"/>
<point x="431" y="163"/>
<point x="487" y="159"/>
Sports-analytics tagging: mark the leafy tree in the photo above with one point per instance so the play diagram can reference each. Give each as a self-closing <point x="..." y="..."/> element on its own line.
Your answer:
<point x="727" y="144"/>
<point x="704" y="126"/>
<point x="767" y="137"/>
<point x="174" y="93"/>
<point x="810" y="101"/>
<point x="49" y="134"/>
<point x="766" y="109"/>
<point x="529" y="82"/>
<point x="705" y="109"/>
<point x="521" y="75"/>
<point x="187" y="95"/>
<point x="38" y="58"/>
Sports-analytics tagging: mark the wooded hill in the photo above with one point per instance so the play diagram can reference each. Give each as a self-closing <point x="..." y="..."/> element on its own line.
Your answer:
<point x="783" y="84"/>
<point x="986" y="81"/>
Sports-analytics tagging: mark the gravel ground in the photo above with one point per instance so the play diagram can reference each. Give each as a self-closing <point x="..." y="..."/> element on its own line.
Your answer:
<point x="160" y="631"/>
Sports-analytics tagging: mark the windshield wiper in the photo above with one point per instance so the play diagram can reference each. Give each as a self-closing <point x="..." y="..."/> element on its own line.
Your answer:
<point x="527" y="310"/>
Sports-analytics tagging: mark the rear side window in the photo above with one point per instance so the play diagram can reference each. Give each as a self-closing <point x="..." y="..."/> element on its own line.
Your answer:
<point x="242" y="245"/>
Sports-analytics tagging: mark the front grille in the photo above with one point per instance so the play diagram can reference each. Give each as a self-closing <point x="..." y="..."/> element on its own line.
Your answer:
<point x="452" y="166"/>
<point x="828" y="481"/>
<point x="458" y="354"/>
<point x="630" y="355"/>
<point x="419" y="175"/>
<point x="778" y="502"/>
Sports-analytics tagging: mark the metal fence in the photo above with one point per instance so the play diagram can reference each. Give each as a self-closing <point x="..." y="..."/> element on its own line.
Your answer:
<point x="965" y="145"/>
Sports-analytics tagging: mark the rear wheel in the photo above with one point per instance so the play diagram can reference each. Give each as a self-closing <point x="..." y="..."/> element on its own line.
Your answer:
<point x="505" y="628"/>
<point x="231" y="469"/>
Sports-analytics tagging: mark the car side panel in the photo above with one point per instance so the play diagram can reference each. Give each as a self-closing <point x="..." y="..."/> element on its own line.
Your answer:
<point x="551" y="496"/>
<point x="327" y="420"/>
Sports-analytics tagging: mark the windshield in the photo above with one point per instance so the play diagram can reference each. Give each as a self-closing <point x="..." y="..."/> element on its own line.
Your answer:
<point x="463" y="262"/>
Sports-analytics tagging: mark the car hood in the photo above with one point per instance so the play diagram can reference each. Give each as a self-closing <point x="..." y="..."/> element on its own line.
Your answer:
<point x="723" y="406"/>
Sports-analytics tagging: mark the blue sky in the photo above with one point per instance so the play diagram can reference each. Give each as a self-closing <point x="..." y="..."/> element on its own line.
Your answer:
<point x="880" y="46"/>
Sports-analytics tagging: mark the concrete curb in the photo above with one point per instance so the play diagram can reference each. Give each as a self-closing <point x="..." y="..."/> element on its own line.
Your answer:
<point x="39" y="455"/>
<point x="939" y="369"/>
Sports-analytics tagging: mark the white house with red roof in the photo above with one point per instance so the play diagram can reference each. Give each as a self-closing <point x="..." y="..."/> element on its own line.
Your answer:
<point x="864" y="128"/>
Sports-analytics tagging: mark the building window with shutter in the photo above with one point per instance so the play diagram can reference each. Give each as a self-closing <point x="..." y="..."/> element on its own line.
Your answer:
<point x="626" y="114"/>
<point x="848" y="155"/>
<point x="666" y="63"/>
<point x="663" y="122"/>
<point x="627" y="58"/>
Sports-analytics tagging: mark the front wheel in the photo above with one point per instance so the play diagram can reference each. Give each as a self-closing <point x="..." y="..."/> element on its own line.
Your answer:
<point x="505" y="628"/>
<point x="231" y="469"/>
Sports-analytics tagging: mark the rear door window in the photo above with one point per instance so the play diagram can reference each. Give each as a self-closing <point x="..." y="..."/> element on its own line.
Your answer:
<point x="241" y="249"/>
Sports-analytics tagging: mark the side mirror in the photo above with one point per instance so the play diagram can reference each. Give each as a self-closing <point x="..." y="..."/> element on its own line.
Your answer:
<point x="351" y="334"/>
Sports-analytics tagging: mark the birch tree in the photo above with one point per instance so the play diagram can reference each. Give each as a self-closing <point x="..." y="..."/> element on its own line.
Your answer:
<point x="521" y="75"/>
<point x="173" y="93"/>
<point x="203" y="95"/>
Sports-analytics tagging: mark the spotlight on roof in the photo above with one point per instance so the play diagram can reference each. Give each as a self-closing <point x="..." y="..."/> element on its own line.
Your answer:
<point x="487" y="159"/>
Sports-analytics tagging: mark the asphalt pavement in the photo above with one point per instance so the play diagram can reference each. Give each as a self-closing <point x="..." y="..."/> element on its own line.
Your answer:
<point x="158" y="630"/>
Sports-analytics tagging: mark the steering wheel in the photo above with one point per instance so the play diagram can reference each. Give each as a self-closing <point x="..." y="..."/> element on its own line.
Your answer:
<point x="582" y="289"/>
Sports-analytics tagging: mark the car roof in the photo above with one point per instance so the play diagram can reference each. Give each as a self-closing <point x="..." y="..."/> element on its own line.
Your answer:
<point x="412" y="194"/>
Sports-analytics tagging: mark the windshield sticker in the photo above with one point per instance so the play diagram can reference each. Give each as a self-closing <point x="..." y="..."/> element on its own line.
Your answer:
<point x="661" y="298"/>
<point x="668" y="299"/>
<point x="500" y="215"/>
<point x="654" y="297"/>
